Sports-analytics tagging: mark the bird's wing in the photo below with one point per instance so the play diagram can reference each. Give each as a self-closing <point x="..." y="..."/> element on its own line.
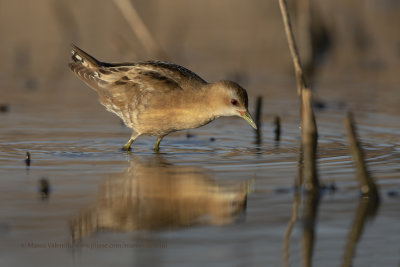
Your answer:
<point x="181" y="75"/>
<point x="127" y="86"/>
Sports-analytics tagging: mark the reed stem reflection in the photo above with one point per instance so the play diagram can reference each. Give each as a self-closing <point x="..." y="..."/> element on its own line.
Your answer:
<point x="289" y="229"/>
<point x="309" y="226"/>
<point x="367" y="208"/>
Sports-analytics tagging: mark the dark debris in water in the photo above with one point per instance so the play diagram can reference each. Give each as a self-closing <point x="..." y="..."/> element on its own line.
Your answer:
<point x="283" y="190"/>
<point x="44" y="188"/>
<point x="319" y="105"/>
<point x="189" y="135"/>
<point x="4" y="108"/>
<point x="393" y="193"/>
<point x="329" y="188"/>
<point x="212" y="139"/>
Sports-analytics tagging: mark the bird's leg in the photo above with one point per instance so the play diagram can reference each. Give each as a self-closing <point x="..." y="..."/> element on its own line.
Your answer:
<point x="127" y="146"/>
<point x="156" y="146"/>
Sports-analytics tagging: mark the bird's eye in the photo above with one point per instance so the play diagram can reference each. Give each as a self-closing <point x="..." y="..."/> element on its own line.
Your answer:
<point x="234" y="102"/>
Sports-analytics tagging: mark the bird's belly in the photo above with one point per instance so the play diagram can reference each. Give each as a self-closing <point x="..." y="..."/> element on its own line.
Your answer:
<point x="162" y="122"/>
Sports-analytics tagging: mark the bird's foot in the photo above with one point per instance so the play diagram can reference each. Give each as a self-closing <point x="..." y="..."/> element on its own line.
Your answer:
<point x="126" y="147"/>
<point x="156" y="146"/>
<point x="156" y="149"/>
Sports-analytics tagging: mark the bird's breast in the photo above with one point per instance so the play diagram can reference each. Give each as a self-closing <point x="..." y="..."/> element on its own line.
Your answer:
<point x="163" y="121"/>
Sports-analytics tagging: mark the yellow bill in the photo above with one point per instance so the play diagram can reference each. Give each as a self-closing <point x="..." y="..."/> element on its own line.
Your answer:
<point x="246" y="115"/>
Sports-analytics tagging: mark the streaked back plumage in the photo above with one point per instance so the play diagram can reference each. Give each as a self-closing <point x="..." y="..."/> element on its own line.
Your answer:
<point x="122" y="87"/>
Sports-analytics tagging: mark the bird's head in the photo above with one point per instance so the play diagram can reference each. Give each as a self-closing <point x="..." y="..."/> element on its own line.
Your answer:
<point x="230" y="99"/>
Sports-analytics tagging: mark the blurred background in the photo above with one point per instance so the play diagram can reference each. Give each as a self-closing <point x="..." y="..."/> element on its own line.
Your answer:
<point x="350" y="50"/>
<point x="341" y="43"/>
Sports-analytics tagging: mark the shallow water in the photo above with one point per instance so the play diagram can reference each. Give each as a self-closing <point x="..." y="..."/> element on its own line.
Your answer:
<point x="215" y="197"/>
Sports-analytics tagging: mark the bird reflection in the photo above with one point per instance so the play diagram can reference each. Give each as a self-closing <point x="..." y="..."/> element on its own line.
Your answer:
<point x="156" y="195"/>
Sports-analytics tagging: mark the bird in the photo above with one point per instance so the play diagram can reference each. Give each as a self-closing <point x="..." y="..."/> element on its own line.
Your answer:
<point x="156" y="97"/>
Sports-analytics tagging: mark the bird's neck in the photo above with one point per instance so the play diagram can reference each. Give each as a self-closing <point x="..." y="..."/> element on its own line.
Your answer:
<point x="214" y="97"/>
<point x="205" y="104"/>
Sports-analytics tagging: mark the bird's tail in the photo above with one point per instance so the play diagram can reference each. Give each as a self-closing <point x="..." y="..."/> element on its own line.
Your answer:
<point x="85" y="67"/>
<point x="81" y="57"/>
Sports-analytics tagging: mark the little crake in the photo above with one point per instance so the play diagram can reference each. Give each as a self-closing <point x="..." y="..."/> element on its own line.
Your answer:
<point x="157" y="98"/>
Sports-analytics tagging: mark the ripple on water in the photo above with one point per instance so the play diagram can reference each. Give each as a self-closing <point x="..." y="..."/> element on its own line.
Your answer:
<point x="81" y="160"/>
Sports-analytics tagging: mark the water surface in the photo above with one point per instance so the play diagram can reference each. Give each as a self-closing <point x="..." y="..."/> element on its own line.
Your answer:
<point x="213" y="197"/>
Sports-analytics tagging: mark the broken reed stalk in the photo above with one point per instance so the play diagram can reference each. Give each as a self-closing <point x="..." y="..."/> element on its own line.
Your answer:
<point x="139" y="28"/>
<point x="258" y="119"/>
<point x="308" y="126"/>
<point x="28" y="159"/>
<point x="367" y="184"/>
<point x="309" y="140"/>
<point x="301" y="82"/>
<point x="277" y="131"/>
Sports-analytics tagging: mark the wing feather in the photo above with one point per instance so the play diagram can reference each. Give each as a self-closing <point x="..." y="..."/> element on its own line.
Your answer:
<point x="127" y="88"/>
